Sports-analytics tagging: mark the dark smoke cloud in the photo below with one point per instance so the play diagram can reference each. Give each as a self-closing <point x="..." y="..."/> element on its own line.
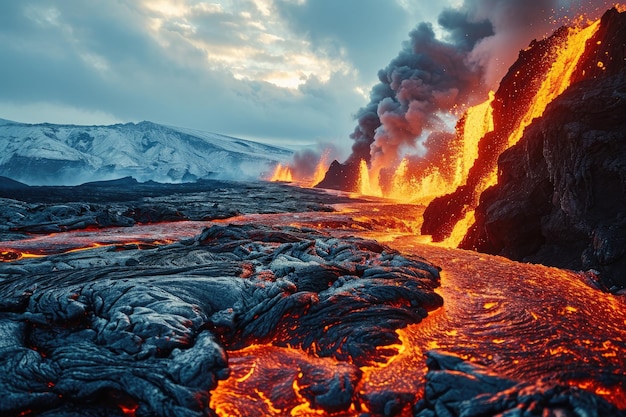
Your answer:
<point x="516" y="23"/>
<point x="462" y="30"/>
<point x="428" y="77"/>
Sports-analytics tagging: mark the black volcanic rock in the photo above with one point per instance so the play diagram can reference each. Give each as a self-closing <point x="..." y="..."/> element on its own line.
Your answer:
<point x="119" y="182"/>
<point x="605" y="53"/>
<point x="10" y="184"/>
<point x="342" y="177"/>
<point x="152" y="328"/>
<point x="561" y="193"/>
<point x="510" y="103"/>
<point x="603" y="56"/>
<point x="125" y="202"/>
<point x="455" y="387"/>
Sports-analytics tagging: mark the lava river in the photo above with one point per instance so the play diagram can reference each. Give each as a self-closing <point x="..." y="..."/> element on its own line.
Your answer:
<point x="523" y="321"/>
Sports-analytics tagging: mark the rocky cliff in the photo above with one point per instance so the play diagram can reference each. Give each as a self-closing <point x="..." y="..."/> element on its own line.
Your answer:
<point x="561" y="193"/>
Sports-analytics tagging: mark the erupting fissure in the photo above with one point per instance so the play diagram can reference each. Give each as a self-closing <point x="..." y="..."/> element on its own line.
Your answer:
<point x="300" y="175"/>
<point x="555" y="80"/>
<point x="465" y="163"/>
<point x="282" y="173"/>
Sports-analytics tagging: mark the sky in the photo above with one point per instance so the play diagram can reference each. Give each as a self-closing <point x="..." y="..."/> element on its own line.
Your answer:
<point x="286" y="72"/>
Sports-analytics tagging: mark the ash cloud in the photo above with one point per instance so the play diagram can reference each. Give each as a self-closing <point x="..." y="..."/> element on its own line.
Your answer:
<point x="429" y="77"/>
<point x="462" y="30"/>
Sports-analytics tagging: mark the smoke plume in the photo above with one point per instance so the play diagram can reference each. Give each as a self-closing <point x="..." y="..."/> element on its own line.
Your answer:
<point x="428" y="78"/>
<point x="431" y="78"/>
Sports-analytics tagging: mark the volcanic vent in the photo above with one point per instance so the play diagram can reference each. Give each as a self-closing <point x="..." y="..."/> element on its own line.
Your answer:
<point x="561" y="190"/>
<point x="451" y="170"/>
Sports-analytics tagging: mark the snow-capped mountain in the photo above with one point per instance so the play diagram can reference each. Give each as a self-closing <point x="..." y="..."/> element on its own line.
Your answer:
<point x="49" y="154"/>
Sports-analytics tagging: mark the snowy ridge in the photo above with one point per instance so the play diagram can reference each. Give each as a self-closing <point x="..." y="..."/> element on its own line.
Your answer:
<point x="49" y="154"/>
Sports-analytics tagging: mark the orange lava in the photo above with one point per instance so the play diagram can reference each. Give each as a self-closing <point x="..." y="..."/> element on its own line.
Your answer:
<point x="282" y="173"/>
<point x="264" y="381"/>
<point x="290" y="173"/>
<point x="524" y="321"/>
<point x="365" y="182"/>
<point x="122" y="238"/>
<point x="559" y="76"/>
<point x="320" y="169"/>
<point x="407" y="185"/>
<point x="129" y="410"/>
<point x="555" y="81"/>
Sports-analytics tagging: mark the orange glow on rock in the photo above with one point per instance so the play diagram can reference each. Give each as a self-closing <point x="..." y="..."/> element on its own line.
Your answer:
<point x="421" y="186"/>
<point x="555" y="81"/>
<point x="129" y="408"/>
<point x="558" y="78"/>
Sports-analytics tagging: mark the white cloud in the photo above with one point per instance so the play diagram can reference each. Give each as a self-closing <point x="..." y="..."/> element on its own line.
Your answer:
<point x="246" y="39"/>
<point x="292" y="70"/>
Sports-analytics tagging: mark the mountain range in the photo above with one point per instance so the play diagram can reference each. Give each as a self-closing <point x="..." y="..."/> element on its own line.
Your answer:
<point x="51" y="154"/>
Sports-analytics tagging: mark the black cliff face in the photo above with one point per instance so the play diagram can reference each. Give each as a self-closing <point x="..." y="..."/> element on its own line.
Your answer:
<point x="603" y="57"/>
<point x="561" y="193"/>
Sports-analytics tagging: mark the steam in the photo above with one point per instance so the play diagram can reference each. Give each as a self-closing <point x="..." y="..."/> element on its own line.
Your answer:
<point x="516" y="24"/>
<point x="432" y="78"/>
<point x="428" y="79"/>
<point x="306" y="162"/>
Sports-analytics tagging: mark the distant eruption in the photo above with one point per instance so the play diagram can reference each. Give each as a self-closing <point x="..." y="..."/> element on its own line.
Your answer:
<point x="307" y="169"/>
<point x="410" y="118"/>
<point x="413" y="108"/>
<point x="432" y="82"/>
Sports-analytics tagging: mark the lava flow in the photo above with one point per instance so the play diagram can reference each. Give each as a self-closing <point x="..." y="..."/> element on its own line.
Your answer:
<point x="339" y="313"/>
<point x="454" y="176"/>
<point x="526" y="322"/>
<point x="145" y="236"/>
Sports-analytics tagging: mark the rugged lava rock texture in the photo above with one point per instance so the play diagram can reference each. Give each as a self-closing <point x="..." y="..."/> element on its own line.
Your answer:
<point x="28" y="210"/>
<point x="102" y="331"/>
<point x="458" y="388"/>
<point x="604" y="56"/>
<point x="561" y="193"/>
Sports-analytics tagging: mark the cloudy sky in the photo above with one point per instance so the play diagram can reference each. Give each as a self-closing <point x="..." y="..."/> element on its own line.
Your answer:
<point x="281" y="71"/>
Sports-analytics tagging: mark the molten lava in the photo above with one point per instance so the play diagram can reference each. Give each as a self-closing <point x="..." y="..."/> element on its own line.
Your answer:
<point x="294" y="174"/>
<point x="282" y="173"/>
<point x="556" y="79"/>
<point x="117" y="238"/>
<point x="365" y="182"/>
<point x="526" y="321"/>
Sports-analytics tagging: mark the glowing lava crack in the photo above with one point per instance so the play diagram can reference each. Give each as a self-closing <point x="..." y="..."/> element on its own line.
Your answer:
<point x="149" y="331"/>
